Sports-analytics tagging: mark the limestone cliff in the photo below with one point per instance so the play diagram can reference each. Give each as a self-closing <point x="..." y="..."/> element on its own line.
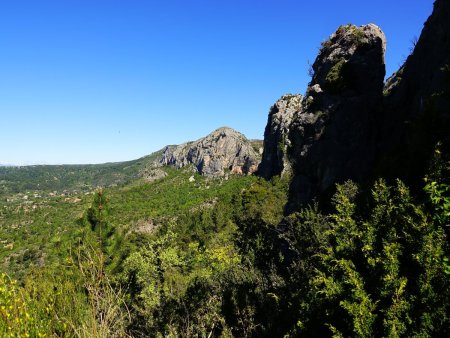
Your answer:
<point x="224" y="150"/>
<point x="276" y="142"/>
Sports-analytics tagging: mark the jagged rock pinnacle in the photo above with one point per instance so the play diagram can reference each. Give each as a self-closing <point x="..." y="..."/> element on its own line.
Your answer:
<point x="276" y="142"/>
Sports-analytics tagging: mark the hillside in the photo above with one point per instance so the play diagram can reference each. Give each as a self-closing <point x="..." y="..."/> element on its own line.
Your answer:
<point x="81" y="178"/>
<point x="28" y="223"/>
<point x="46" y="202"/>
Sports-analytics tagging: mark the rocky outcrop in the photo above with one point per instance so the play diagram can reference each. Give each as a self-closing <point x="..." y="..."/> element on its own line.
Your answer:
<point x="423" y="75"/>
<point x="152" y="174"/>
<point x="276" y="142"/>
<point x="416" y="114"/>
<point x="332" y="137"/>
<point x="350" y="125"/>
<point x="224" y="150"/>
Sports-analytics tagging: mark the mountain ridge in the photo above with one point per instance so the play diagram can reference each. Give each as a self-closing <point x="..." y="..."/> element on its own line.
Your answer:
<point x="85" y="177"/>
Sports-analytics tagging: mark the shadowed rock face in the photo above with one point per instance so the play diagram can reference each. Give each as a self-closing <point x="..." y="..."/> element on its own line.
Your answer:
<point x="276" y="142"/>
<point x="224" y="150"/>
<point x="416" y="112"/>
<point x="421" y="76"/>
<point x="332" y="137"/>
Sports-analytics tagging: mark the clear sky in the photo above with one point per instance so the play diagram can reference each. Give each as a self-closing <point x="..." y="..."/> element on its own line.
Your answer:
<point x="91" y="81"/>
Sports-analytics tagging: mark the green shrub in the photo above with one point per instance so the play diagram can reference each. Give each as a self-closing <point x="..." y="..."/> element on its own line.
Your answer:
<point x="21" y="316"/>
<point x="382" y="274"/>
<point x="336" y="80"/>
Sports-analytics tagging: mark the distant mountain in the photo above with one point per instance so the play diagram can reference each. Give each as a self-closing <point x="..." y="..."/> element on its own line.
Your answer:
<point x="224" y="150"/>
<point x="67" y="177"/>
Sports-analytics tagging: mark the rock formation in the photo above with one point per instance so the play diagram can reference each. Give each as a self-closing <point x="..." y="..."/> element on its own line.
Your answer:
<point x="152" y="174"/>
<point x="276" y="142"/>
<point x="332" y="137"/>
<point x="416" y="112"/>
<point x="224" y="150"/>
<point x="422" y="75"/>
<point x="350" y="125"/>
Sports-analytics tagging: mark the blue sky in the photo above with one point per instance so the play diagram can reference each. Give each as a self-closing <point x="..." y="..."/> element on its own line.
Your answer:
<point x="84" y="81"/>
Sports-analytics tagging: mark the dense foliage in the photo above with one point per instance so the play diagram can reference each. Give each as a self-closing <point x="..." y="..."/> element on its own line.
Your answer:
<point x="215" y="257"/>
